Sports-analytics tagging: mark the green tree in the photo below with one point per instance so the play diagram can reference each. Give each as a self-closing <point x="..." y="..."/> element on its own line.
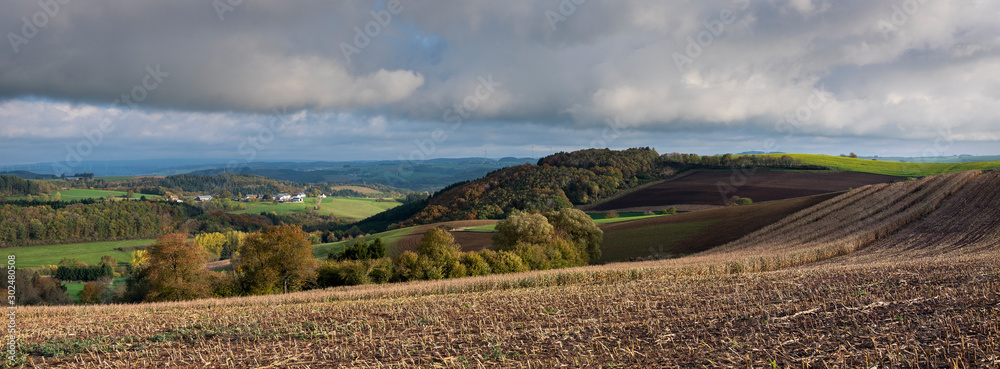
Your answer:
<point x="522" y="227"/>
<point x="109" y="260"/>
<point x="440" y="251"/>
<point x="278" y="259"/>
<point x="577" y="227"/>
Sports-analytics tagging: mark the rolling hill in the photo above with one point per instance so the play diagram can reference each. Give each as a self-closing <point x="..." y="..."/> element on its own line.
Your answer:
<point x="714" y="187"/>
<point x="892" y="168"/>
<point x="893" y="275"/>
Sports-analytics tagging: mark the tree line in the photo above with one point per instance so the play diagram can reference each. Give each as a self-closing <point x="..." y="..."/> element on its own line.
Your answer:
<point x="17" y="186"/>
<point x="524" y="241"/>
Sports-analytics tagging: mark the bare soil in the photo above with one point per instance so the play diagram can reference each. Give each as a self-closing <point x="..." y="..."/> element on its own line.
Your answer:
<point x="714" y="187"/>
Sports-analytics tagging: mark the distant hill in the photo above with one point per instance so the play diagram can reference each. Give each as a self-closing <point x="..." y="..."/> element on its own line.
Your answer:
<point x="28" y="175"/>
<point x="425" y="175"/>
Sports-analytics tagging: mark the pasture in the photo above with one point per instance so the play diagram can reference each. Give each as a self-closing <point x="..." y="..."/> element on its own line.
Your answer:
<point x="391" y="239"/>
<point x="90" y="252"/>
<point x="341" y="207"/>
<point x="891" y="168"/>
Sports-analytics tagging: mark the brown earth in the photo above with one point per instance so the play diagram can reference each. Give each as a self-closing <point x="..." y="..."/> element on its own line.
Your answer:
<point x="651" y="237"/>
<point x="966" y="222"/>
<point x="646" y="238"/>
<point x="714" y="187"/>
<point x="470" y="241"/>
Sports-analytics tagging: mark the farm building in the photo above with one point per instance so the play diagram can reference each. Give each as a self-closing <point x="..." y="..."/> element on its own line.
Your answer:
<point x="203" y="198"/>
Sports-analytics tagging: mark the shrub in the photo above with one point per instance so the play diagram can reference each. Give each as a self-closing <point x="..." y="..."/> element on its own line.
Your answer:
<point x="375" y="249"/>
<point x="95" y="292"/>
<point x="342" y="273"/>
<point x="611" y="215"/>
<point x="380" y="270"/>
<point x="406" y="267"/>
<point x="744" y="201"/>
<point x="438" y="253"/>
<point x="669" y="211"/>
<point x="648" y="212"/>
<point x="504" y="261"/>
<point x="475" y="264"/>
<point x="578" y="228"/>
<point x="522" y="227"/>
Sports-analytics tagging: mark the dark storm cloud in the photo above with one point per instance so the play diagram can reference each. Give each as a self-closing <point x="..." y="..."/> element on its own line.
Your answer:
<point x="903" y="69"/>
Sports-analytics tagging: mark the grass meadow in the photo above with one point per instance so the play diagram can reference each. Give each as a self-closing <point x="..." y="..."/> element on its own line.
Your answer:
<point x="341" y="207"/>
<point x="89" y="252"/>
<point x="892" y="168"/>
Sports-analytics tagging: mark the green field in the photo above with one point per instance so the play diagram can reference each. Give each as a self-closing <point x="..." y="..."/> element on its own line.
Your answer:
<point x="90" y="253"/>
<point x="389" y="237"/>
<point x="599" y="218"/>
<point x="341" y="207"/>
<point x="74" y="288"/>
<point x="892" y="168"/>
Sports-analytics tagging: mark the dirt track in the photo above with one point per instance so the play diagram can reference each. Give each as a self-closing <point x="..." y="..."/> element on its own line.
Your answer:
<point x="713" y="187"/>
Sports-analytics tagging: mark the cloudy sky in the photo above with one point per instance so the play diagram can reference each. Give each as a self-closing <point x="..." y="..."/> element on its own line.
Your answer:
<point x="346" y="80"/>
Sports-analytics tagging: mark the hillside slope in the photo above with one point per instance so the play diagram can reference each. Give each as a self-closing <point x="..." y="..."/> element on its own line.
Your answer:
<point x="714" y="187"/>
<point x="892" y="168"/>
<point x="843" y="224"/>
<point x="968" y="222"/>
<point x="708" y="310"/>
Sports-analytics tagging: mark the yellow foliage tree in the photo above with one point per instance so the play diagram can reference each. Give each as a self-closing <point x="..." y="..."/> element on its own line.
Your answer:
<point x="214" y="243"/>
<point x="139" y="259"/>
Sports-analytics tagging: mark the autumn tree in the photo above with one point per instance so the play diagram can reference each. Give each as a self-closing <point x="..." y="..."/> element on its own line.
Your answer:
<point x="213" y="243"/>
<point x="95" y="292"/>
<point x="176" y="270"/>
<point x="139" y="259"/>
<point x="278" y="259"/>
<point x="109" y="260"/>
<point x="30" y="288"/>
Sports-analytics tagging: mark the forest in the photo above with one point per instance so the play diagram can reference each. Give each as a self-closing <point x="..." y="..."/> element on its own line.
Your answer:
<point x="17" y="186"/>
<point x="565" y="179"/>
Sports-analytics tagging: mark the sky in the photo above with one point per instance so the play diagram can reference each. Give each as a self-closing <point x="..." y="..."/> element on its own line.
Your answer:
<point x="251" y="80"/>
